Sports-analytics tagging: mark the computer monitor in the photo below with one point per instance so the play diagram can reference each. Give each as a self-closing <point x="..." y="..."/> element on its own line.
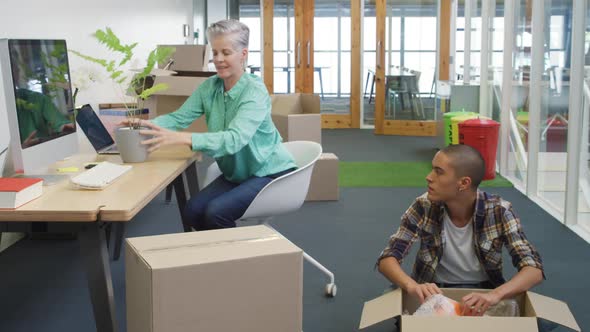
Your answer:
<point x="38" y="102"/>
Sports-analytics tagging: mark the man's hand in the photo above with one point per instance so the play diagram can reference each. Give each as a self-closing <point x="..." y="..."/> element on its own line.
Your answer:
<point x="476" y="304"/>
<point x="162" y="137"/>
<point x="422" y="291"/>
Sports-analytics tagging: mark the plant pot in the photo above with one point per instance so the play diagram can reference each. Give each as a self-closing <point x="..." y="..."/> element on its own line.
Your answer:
<point x="129" y="144"/>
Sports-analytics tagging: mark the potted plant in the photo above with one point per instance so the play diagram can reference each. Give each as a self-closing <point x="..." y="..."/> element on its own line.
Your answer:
<point x="139" y="84"/>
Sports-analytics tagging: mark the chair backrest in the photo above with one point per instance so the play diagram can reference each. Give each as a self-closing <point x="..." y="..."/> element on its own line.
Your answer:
<point x="287" y="193"/>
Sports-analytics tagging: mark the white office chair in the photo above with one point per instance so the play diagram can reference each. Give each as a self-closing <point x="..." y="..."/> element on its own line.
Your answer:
<point x="284" y="194"/>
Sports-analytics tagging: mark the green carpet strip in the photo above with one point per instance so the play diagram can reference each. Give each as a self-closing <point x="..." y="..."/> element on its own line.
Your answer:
<point x="394" y="174"/>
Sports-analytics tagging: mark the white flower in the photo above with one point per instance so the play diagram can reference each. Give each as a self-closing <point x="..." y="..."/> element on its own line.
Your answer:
<point x="84" y="76"/>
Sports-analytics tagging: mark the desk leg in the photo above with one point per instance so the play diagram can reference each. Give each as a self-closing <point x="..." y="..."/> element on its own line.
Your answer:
<point x="192" y="179"/>
<point x="119" y="235"/>
<point x="366" y="85"/>
<point x="168" y="194"/>
<point x="181" y="199"/>
<point x="94" y="253"/>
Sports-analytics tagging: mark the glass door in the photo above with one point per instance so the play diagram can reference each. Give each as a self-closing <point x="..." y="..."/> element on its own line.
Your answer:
<point x="405" y="67"/>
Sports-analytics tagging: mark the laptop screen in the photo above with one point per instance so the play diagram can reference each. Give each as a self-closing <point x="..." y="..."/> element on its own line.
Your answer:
<point x="96" y="132"/>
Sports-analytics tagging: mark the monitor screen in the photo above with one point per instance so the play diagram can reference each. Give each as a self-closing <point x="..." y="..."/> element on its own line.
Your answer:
<point x="42" y="90"/>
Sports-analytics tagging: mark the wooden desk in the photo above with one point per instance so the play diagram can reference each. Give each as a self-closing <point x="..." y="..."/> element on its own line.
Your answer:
<point x="91" y="213"/>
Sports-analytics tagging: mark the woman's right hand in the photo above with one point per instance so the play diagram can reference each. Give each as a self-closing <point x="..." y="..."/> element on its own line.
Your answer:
<point x="423" y="291"/>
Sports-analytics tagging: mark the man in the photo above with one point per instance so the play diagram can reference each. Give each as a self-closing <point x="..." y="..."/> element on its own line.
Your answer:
<point x="461" y="230"/>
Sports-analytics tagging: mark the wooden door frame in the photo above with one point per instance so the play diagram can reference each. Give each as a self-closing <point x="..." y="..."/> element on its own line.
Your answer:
<point x="268" y="74"/>
<point x="304" y="74"/>
<point x="406" y="127"/>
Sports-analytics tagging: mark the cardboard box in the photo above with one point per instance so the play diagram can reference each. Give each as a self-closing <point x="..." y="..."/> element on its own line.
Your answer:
<point x="297" y="116"/>
<point x="188" y="58"/>
<point x="246" y="279"/>
<point x="531" y="305"/>
<point x="191" y="65"/>
<point x="324" y="179"/>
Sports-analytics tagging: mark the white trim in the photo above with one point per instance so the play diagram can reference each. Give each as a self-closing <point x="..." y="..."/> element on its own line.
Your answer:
<point x="581" y="232"/>
<point x="453" y="39"/>
<point x="467" y="44"/>
<point x="538" y="53"/>
<point x="506" y="84"/>
<point x="390" y="39"/>
<point x="576" y="106"/>
<point x="484" y="108"/>
<point x="362" y="50"/>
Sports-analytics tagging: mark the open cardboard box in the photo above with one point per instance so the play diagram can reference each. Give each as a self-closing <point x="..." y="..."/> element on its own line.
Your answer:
<point x="532" y="306"/>
<point x="191" y="67"/>
<point x="297" y="116"/>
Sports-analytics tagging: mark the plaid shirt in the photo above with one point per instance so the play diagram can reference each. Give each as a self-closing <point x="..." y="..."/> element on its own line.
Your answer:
<point x="494" y="224"/>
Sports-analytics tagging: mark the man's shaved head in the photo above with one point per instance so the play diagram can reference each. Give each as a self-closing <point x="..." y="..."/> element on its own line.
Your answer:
<point x="466" y="161"/>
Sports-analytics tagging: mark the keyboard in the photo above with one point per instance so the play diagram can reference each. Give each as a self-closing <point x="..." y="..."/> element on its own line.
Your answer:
<point x="100" y="176"/>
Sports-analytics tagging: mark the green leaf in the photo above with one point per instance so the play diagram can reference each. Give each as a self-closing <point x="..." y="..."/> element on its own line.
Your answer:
<point x="116" y="74"/>
<point x="101" y="62"/>
<point x="156" y="88"/>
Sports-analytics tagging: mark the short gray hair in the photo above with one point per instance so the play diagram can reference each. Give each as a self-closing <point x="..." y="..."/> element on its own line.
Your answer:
<point x="238" y="32"/>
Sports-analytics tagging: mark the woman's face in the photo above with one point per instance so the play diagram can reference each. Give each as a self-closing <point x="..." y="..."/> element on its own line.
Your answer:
<point x="228" y="61"/>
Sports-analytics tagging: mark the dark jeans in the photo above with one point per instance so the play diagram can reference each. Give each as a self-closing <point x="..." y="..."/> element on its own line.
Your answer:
<point x="222" y="202"/>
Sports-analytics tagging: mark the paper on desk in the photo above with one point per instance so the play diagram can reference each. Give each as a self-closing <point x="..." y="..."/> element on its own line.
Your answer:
<point x="68" y="169"/>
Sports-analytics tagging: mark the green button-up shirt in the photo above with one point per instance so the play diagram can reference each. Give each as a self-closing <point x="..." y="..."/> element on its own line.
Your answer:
<point x="242" y="137"/>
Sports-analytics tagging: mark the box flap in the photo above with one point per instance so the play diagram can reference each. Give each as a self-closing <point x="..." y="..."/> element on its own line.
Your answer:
<point x="185" y="249"/>
<point x="310" y="103"/>
<point x="382" y="308"/>
<point x="188" y="58"/>
<point x="179" y="85"/>
<point x="553" y="310"/>
<point x="285" y="104"/>
<point x="480" y="324"/>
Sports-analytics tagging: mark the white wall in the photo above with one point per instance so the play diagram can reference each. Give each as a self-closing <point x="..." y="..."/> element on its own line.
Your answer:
<point x="216" y="11"/>
<point x="200" y="18"/>
<point x="147" y="22"/>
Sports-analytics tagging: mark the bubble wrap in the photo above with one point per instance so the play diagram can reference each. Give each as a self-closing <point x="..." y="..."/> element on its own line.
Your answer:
<point x="439" y="305"/>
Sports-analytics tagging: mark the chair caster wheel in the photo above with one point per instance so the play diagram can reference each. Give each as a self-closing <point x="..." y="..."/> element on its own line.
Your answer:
<point x="331" y="290"/>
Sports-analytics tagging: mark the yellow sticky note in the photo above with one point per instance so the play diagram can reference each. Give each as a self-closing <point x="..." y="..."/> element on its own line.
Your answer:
<point x="67" y="169"/>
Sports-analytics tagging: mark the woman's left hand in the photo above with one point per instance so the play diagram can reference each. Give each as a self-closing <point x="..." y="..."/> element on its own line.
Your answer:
<point x="162" y="137"/>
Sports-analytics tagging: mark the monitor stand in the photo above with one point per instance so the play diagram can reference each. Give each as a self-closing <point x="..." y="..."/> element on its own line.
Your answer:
<point x="48" y="179"/>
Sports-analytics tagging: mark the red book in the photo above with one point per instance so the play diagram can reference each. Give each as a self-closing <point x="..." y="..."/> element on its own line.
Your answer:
<point x="15" y="192"/>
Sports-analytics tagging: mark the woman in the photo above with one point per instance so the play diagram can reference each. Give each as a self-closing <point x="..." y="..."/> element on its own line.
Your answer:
<point x="242" y="138"/>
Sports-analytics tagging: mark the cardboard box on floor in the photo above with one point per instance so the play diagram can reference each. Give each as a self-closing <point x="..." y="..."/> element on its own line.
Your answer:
<point x="324" y="179"/>
<point x="532" y="306"/>
<point x="297" y="116"/>
<point x="191" y="65"/>
<point x="247" y="279"/>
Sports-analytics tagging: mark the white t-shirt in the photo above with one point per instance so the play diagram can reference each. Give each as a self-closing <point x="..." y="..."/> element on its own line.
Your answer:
<point x="459" y="263"/>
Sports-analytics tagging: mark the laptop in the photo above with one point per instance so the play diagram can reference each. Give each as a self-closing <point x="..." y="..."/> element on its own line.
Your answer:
<point x="96" y="132"/>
